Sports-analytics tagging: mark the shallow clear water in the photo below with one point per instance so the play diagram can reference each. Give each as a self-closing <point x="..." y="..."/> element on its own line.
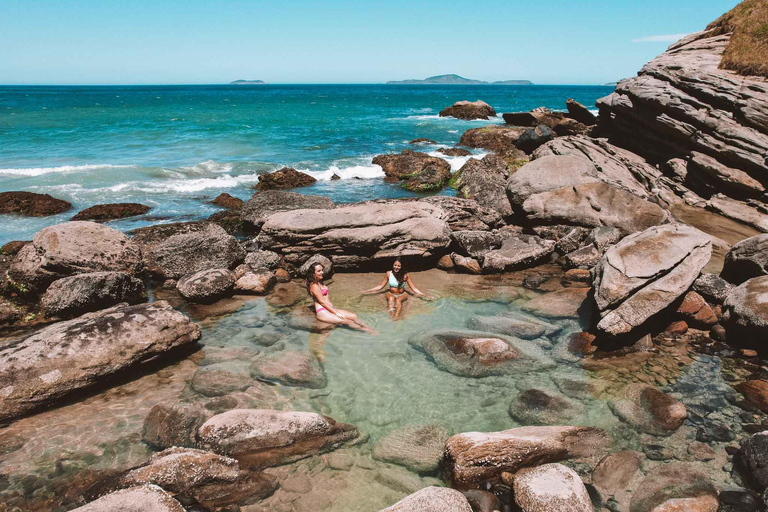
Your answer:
<point x="377" y="382"/>
<point x="175" y="147"/>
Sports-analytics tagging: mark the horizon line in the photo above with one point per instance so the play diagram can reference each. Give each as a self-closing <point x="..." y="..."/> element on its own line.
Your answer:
<point x="169" y="84"/>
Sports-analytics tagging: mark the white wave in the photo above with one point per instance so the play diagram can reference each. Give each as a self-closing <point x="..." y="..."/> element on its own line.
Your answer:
<point x="354" y="171"/>
<point x="210" y="166"/>
<point x="185" y="186"/>
<point x="39" y="171"/>
<point x="456" y="161"/>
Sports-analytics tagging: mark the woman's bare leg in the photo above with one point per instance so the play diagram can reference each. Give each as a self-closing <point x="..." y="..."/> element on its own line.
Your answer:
<point x="351" y="320"/>
<point x="399" y="305"/>
<point x="317" y="343"/>
<point x="359" y="324"/>
<point x="391" y="304"/>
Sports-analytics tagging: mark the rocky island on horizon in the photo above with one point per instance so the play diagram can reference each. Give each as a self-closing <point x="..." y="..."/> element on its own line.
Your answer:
<point x="248" y="82"/>
<point x="455" y="80"/>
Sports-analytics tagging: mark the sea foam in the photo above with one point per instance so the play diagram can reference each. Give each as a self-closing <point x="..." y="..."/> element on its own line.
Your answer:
<point x="39" y="171"/>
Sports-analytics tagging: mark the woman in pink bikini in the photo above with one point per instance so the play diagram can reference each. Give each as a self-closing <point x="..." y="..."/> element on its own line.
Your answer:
<point x="324" y="310"/>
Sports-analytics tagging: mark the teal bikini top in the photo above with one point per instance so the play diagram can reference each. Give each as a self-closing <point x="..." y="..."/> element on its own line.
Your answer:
<point x="393" y="282"/>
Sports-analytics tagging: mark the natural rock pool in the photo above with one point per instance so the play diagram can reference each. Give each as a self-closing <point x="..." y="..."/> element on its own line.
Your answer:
<point x="255" y="355"/>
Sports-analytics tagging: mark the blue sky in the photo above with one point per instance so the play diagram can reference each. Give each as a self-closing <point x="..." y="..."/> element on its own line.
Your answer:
<point x="337" y="41"/>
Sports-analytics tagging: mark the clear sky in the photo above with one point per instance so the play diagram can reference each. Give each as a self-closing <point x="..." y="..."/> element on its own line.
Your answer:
<point x="337" y="41"/>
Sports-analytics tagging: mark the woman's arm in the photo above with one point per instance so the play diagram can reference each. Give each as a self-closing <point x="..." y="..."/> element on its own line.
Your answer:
<point x="413" y="286"/>
<point x="377" y="288"/>
<point x="323" y="300"/>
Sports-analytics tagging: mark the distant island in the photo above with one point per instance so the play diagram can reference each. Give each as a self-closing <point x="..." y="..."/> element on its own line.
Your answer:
<point x="457" y="80"/>
<point x="248" y="82"/>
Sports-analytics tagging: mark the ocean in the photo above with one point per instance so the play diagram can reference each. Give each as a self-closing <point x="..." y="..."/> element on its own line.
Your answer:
<point x="174" y="148"/>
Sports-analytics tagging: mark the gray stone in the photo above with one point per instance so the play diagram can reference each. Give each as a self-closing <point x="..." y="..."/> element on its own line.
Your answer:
<point x="83" y="293"/>
<point x="465" y="214"/>
<point x="517" y="251"/>
<point x="476" y="244"/>
<point x="258" y="283"/>
<point x="746" y="259"/>
<point x="551" y="487"/>
<point x="713" y="288"/>
<point x="484" y="181"/>
<point x="257" y="209"/>
<point x="263" y="260"/>
<point x="206" y="285"/>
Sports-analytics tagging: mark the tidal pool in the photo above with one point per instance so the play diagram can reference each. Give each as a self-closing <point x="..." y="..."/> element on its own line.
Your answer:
<point x="380" y="383"/>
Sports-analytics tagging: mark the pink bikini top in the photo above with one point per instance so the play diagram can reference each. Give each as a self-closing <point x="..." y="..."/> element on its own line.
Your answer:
<point x="324" y="291"/>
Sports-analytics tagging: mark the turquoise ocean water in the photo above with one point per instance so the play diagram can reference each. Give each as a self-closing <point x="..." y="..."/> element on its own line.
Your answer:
<point x="175" y="147"/>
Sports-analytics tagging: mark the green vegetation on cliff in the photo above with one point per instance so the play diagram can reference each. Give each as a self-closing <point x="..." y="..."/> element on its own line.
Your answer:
<point x="747" y="53"/>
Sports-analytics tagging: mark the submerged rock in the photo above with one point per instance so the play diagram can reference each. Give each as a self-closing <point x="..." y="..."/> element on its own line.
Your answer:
<point x="539" y="407"/>
<point x="73" y="248"/>
<point x="473" y="458"/>
<point x="615" y="471"/>
<point x="291" y="368"/>
<point x="469" y="110"/>
<point x="105" y="212"/>
<point x="173" y="424"/>
<point x="648" y="410"/>
<point x="49" y="365"/>
<point x="745" y="312"/>
<point x="520" y="325"/>
<point x="143" y="498"/>
<point x="83" y="293"/>
<point x="409" y="164"/>
<point x="432" y="499"/>
<point x="675" y="486"/>
<point x="567" y="303"/>
<point x="645" y="272"/>
<point x="477" y="354"/>
<point x="746" y="259"/>
<point x="551" y="487"/>
<point x="32" y="204"/>
<point x="284" y="178"/>
<point x="257" y="209"/>
<point x="206" y="285"/>
<point x="416" y="447"/>
<point x="263" y="438"/>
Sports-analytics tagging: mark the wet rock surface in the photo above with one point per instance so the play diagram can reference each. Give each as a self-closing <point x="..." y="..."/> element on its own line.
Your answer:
<point x="286" y="177"/>
<point x="173" y="424"/>
<point x="409" y="164"/>
<point x="291" y="368"/>
<point x="668" y="485"/>
<point x="32" y="204"/>
<point x="649" y="410"/>
<point x="105" y="212"/>
<point x="469" y="110"/>
<point x="144" y="498"/>
<point x="416" y="447"/>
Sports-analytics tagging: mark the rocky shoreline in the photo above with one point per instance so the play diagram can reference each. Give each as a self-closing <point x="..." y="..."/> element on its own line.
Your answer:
<point x="582" y="214"/>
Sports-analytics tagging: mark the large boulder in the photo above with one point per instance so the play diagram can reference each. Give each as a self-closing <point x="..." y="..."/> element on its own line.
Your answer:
<point x="432" y="499"/>
<point x="430" y="179"/>
<point x="32" y="204"/>
<point x="263" y="438"/>
<point x="359" y="234"/>
<point x="409" y="164"/>
<point x="535" y="117"/>
<point x="171" y="252"/>
<point x="485" y="181"/>
<point x="580" y="113"/>
<point x="532" y="138"/>
<point x="646" y="272"/>
<point x="745" y="312"/>
<point x="497" y="138"/>
<point x="47" y="366"/>
<point x="143" y="498"/>
<point x="73" y="248"/>
<point x="206" y="285"/>
<point x="105" y="212"/>
<point x="746" y="259"/>
<point x="257" y="209"/>
<point x="469" y="110"/>
<point x="551" y="487"/>
<point x="648" y="410"/>
<point x="479" y="354"/>
<point x="284" y="178"/>
<point x="212" y="480"/>
<point x="417" y="447"/>
<point x="257" y="283"/>
<point x="83" y="293"/>
<point x="473" y="458"/>
<point x="517" y="251"/>
<point x="675" y="486"/>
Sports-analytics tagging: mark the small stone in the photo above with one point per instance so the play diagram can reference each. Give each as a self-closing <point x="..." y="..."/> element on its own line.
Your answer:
<point x="679" y="327"/>
<point x="340" y="461"/>
<point x="717" y="333"/>
<point x="298" y="483"/>
<point x="701" y="452"/>
<point x="445" y="263"/>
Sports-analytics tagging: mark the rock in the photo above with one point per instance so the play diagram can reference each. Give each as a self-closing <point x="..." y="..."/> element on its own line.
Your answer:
<point x="144" y="498"/>
<point x="263" y="438"/>
<point x="263" y="260"/>
<point x="72" y="296"/>
<point x="754" y="457"/>
<point x="476" y="243"/>
<point x="534" y="282"/>
<point x="739" y="211"/>
<point x="646" y="409"/>
<point x="257" y="209"/>
<point x="756" y="392"/>
<point x="409" y="164"/>
<point x="717" y="333"/>
<point x="739" y="501"/>
<point x="105" y="212"/>
<point x="212" y="381"/>
<point x="696" y="310"/>
<point x="745" y="312"/>
<point x="701" y="451"/>
<point x="227" y="201"/>
<point x="714" y="289"/>
<point x="432" y="499"/>
<point x="679" y="327"/>
<point x="576" y="277"/>
<point x="497" y="138"/>
<point x="214" y="481"/>
<point x="173" y="424"/>
<point x="478" y="354"/>
<point x="9" y="312"/>
<point x="551" y="487"/>
<point x="645" y="272"/>
<point x="615" y="471"/>
<point x="746" y="259"/>
<point x="466" y="265"/>
<point x="517" y="251"/>
<point x="358" y="234"/>
<point x="484" y="181"/>
<point x="465" y="214"/>
<point x="469" y="110"/>
<point x="13" y="248"/>
<point x="206" y="285"/>
<point x="474" y="458"/>
<point x="290" y="368"/>
<point x="282" y="276"/>
<point x="257" y="283"/>
<point x="584" y="258"/>
<point x="73" y="248"/>
<point x="335" y="177"/>
<point x="532" y="138"/>
<point x="284" y="178"/>
<point x="228" y="220"/>
<point x="515" y="324"/>
<point x="446" y="263"/>
<point x="174" y="251"/>
<point x="483" y="501"/>
<point x="416" y="447"/>
<point x="539" y="407"/>
<point x="567" y="303"/>
<point x="569" y="126"/>
<point x="422" y="140"/>
<point x="31" y="204"/>
<point x="535" y="117"/>
<point x="430" y="179"/>
<point x="313" y="260"/>
<point x="455" y="152"/>
<point x="69" y="356"/>
<point x="603" y="237"/>
<point x="580" y="113"/>
<point x="670" y="485"/>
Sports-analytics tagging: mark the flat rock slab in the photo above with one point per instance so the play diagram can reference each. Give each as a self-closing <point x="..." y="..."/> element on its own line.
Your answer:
<point x="258" y="208"/>
<point x="144" y="498"/>
<point x="416" y="447"/>
<point x="477" y="353"/>
<point x="517" y="251"/>
<point x="473" y="458"/>
<point x="264" y="438"/>
<point x="47" y="366"/>
<point x="432" y="499"/>
<point x="291" y="368"/>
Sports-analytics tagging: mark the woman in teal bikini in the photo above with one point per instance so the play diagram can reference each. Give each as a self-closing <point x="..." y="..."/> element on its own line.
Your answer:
<point x="396" y="280"/>
<point x="324" y="310"/>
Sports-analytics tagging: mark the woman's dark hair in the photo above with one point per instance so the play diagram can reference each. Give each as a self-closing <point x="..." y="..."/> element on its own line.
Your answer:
<point x="311" y="276"/>
<point x="400" y="276"/>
